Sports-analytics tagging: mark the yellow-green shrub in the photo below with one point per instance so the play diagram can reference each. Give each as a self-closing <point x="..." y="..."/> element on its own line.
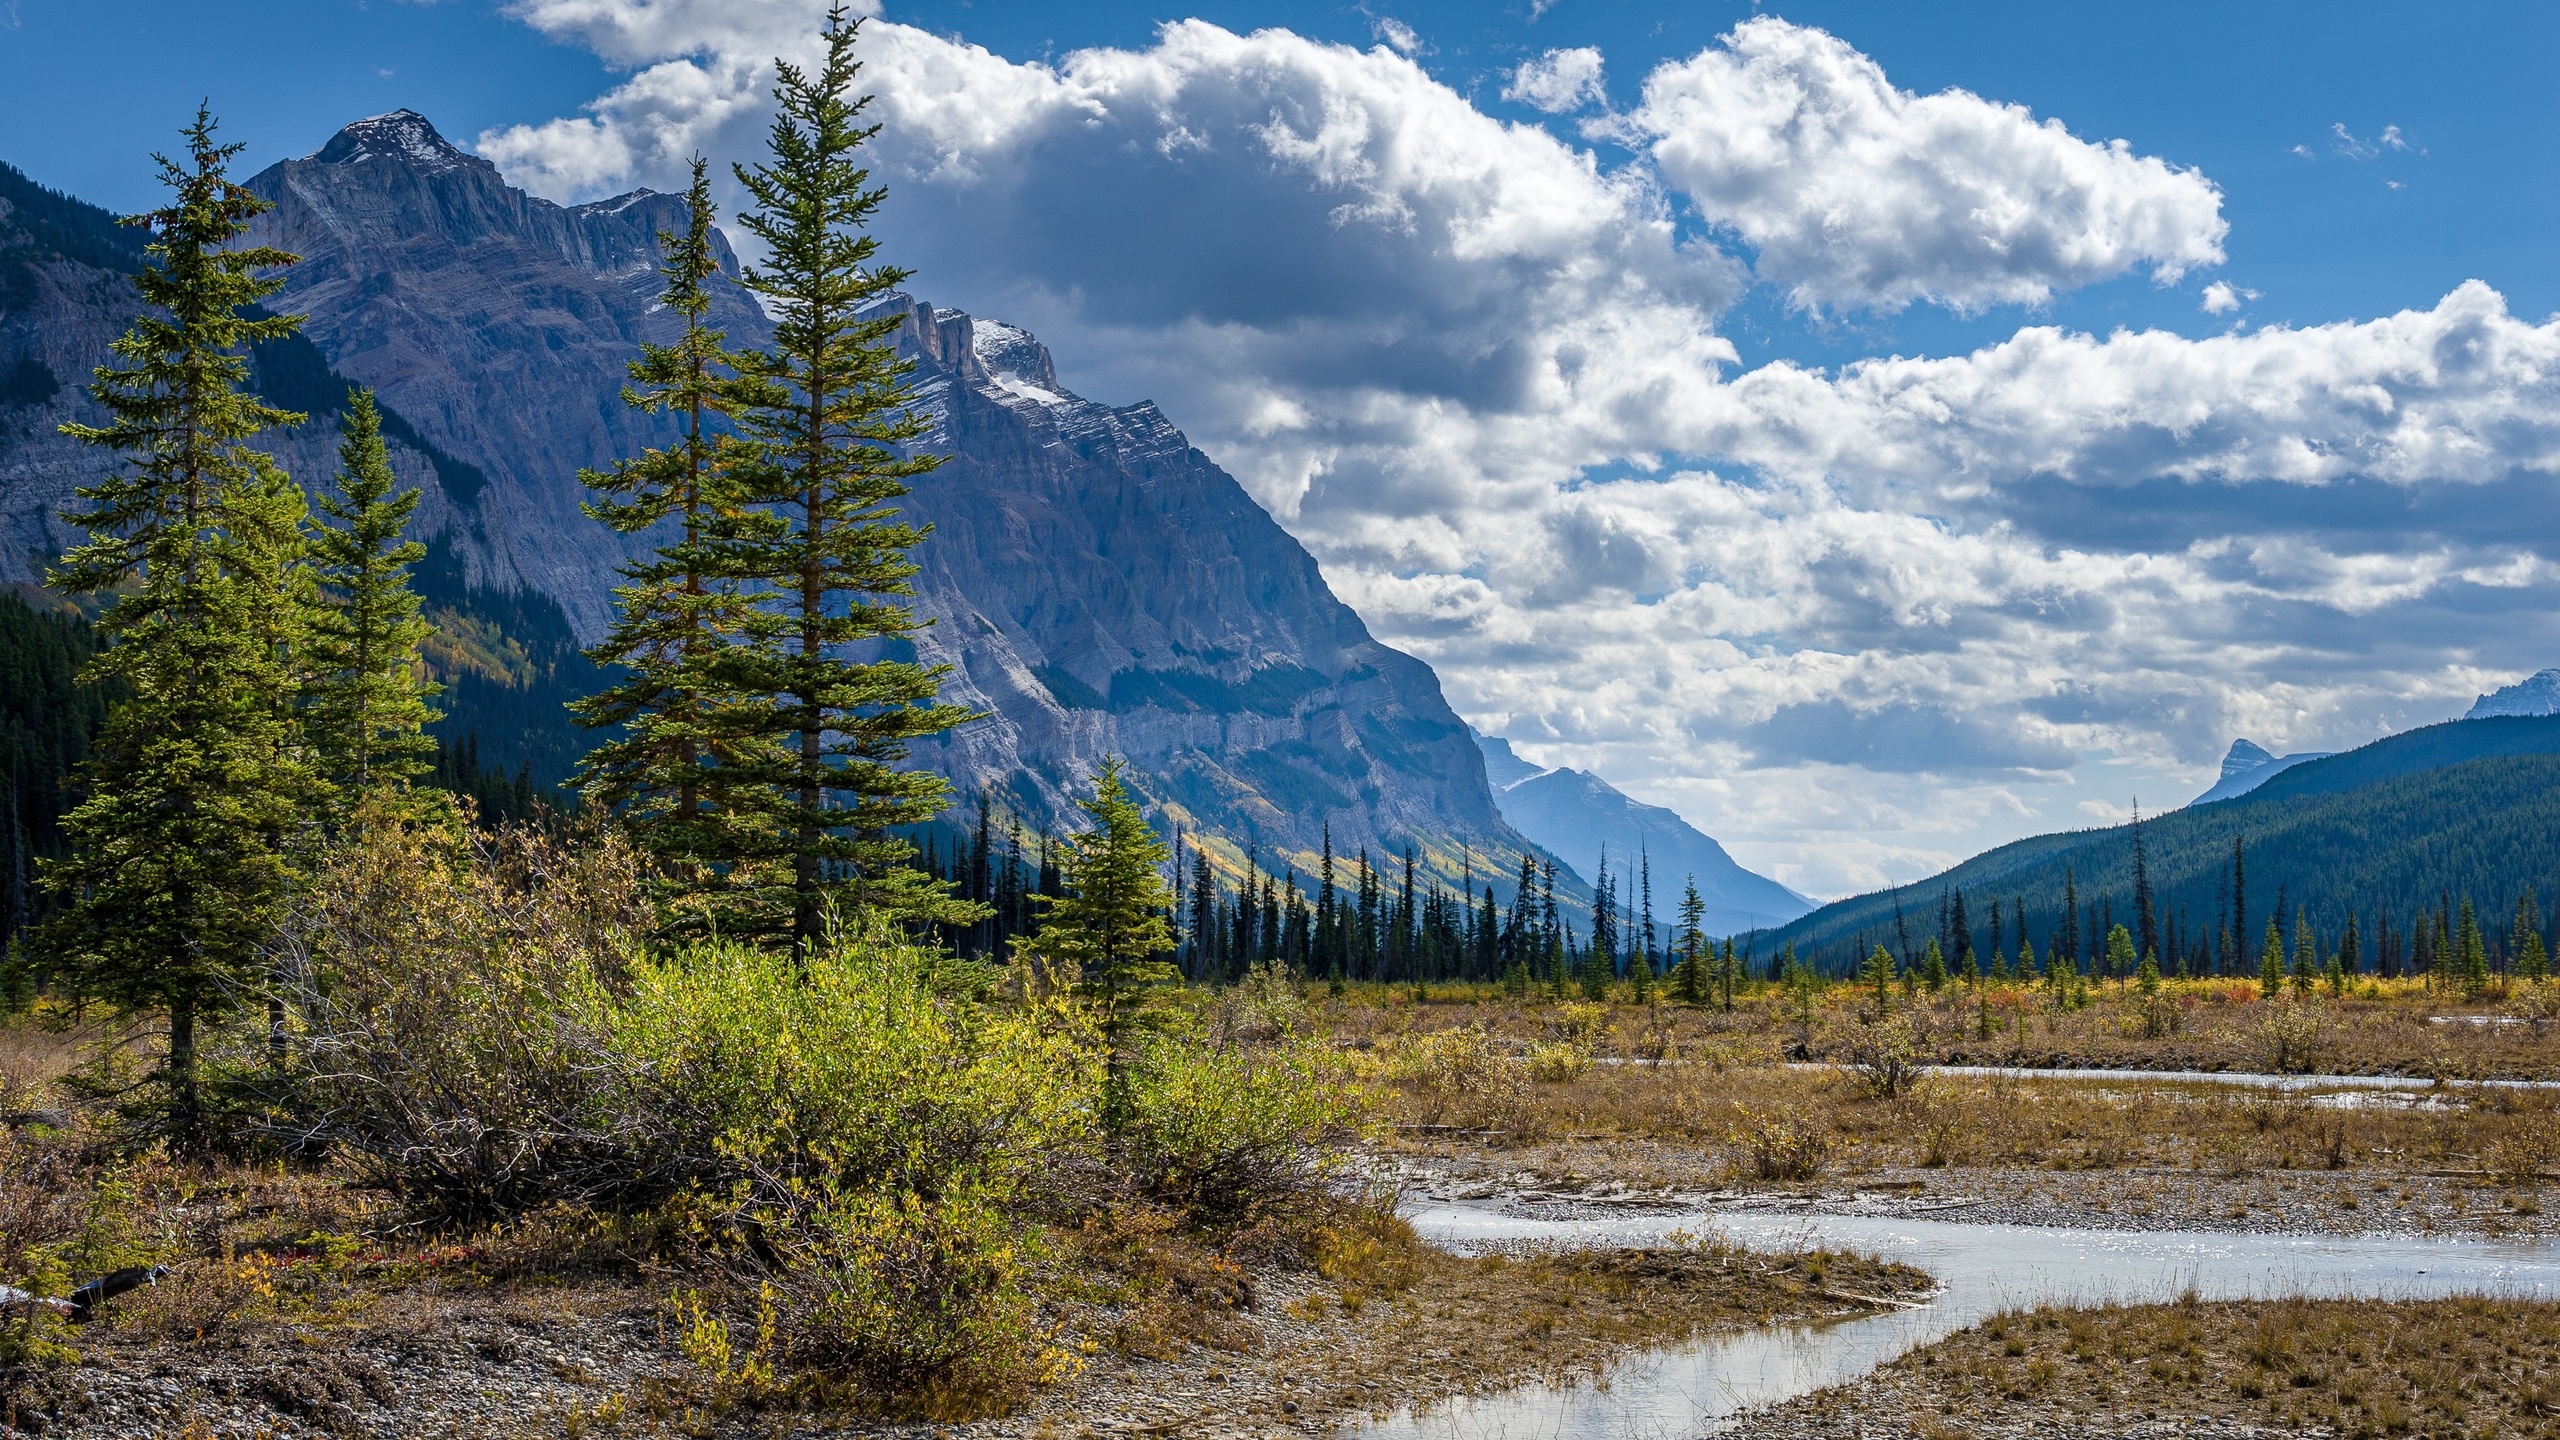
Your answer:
<point x="1219" y="1130"/>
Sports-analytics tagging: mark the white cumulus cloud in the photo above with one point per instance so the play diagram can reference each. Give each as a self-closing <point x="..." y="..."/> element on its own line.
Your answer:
<point x="1557" y="81"/>
<point x="1857" y="194"/>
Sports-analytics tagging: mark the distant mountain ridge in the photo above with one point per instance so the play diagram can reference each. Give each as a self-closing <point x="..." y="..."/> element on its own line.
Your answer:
<point x="1581" y="817"/>
<point x="2536" y="694"/>
<point x="2466" y="807"/>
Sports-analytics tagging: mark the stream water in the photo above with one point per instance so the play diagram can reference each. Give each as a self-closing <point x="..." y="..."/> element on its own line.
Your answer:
<point x="1697" y="1388"/>
<point x="2246" y="1079"/>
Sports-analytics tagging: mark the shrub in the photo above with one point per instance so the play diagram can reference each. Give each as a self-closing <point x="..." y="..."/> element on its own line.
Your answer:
<point x="1220" y="1131"/>
<point x="1461" y="1077"/>
<point x="859" y="1149"/>
<point x="1775" y="1147"/>
<point x="1558" y="1063"/>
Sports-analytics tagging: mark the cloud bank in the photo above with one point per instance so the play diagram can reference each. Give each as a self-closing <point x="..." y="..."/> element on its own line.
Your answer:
<point x="1857" y="622"/>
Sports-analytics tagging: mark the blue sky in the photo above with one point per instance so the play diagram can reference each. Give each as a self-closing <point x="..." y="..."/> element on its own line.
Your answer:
<point x="1564" y="339"/>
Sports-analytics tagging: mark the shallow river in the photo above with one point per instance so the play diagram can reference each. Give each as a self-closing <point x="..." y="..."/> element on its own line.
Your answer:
<point x="1695" y="1388"/>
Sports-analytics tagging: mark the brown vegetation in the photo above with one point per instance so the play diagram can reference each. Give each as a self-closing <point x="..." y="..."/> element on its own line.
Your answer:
<point x="2466" y="1366"/>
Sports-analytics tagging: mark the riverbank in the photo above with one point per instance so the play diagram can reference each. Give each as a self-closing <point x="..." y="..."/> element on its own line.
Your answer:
<point x="1588" y="1180"/>
<point x="1189" y="1343"/>
<point x="2467" y="1366"/>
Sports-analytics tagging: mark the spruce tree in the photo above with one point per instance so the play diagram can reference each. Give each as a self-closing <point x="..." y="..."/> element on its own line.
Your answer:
<point x="1108" y="928"/>
<point x="830" y="419"/>
<point x="2470" y="952"/>
<point x="2271" y="963"/>
<point x="1689" y="977"/>
<point x="678" y="770"/>
<point x="178" y="865"/>
<point x="366" y="708"/>
<point x="2306" y="952"/>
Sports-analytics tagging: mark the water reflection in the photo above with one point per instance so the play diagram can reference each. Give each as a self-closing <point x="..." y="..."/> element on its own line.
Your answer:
<point x="1697" y="1388"/>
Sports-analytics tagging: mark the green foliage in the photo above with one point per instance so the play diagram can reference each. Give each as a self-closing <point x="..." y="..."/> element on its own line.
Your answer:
<point x="1592" y="976"/>
<point x="1109" y="926"/>
<point x="2120" y="957"/>
<point x="1689" y="977"/>
<point x="366" y="709"/>
<point x="1222" y="1131"/>
<point x="47" y="723"/>
<point x="2271" y="963"/>
<point x="177" y="871"/>
<point x="1879" y="973"/>
<point x="670" y="768"/>
<point x="865" y="1144"/>
<point x="2471" y="956"/>
<point x="829" y="424"/>
<point x="1933" y="967"/>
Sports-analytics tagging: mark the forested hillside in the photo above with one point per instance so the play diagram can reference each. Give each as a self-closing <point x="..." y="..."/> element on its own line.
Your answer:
<point x="46" y="724"/>
<point x="2409" y="825"/>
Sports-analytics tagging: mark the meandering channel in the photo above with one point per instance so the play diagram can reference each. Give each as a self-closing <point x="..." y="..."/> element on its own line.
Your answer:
<point x="1699" y="1387"/>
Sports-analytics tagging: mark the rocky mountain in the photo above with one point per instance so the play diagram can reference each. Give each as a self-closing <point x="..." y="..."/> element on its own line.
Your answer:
<point x="496" y="322"/>
<point x="2248" y="765"/>
<point x="1581" y="818"/>
<point x="2536" y="694"/>
<point x="1097" y="585"/>
<point x="1101" y="586"/>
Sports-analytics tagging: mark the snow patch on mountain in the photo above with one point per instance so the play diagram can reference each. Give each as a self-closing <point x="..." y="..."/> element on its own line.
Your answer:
<point x="2536" y="694"/>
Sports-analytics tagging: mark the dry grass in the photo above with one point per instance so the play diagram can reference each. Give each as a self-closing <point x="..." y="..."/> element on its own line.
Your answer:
<point x="2467" y="1366"/>
<point x="1475" y="1071"/>
<point x="2376" y="1028"/>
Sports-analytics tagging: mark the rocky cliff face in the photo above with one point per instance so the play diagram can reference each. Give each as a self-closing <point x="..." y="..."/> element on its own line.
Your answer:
<point x="1101" y="586"/>
<point x="66" y="293"/>
<point x="1097" y="585"/>
<point x="498" y="323"/>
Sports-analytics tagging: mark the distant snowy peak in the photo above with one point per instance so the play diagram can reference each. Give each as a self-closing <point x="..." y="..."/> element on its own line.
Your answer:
<point x="402" y="135"/>
<point x="1016" y="361"/>
<point x="2536" y="694"/>
<point x="2248" y="765"/>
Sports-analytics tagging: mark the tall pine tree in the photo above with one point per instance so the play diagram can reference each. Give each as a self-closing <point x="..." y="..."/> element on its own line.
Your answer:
<point x="831" y="418"/>
<point x="366" y="699"/>
<point x="673" y="770"/>
<point x="178" y="865"/>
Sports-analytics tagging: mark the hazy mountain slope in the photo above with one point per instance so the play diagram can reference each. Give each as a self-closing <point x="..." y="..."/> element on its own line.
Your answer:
<point x="1577" y="816"/>
<point x="2463" y="808"/>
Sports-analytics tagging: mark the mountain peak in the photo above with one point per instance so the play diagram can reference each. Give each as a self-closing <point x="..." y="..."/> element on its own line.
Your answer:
<point x="402" y="135"/>
<point x="2536" y="694"/>
<point x="2245" y="756"/>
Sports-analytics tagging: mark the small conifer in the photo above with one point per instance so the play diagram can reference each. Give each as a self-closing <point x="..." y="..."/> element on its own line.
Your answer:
<point x="367" y="707"/>
<point x="1108" y="928"/>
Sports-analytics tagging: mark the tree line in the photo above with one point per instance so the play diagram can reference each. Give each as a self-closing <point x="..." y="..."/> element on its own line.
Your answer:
<point x="2447" y="942"/>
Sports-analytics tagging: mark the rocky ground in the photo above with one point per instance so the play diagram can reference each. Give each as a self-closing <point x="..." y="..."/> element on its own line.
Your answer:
<point x="1304" y="1356"/>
